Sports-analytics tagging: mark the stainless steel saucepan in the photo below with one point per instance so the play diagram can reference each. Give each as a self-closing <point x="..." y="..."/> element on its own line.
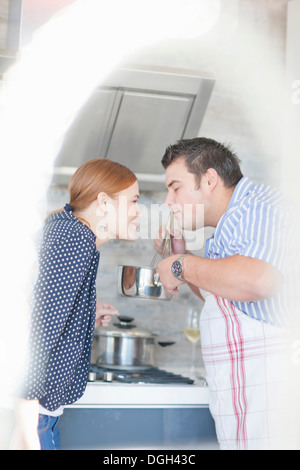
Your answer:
<point x="141" y="282"/>
<point x="124" y="346"/>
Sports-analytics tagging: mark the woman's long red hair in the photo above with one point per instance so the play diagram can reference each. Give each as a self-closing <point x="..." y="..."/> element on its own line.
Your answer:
<point x="96" y="176"/>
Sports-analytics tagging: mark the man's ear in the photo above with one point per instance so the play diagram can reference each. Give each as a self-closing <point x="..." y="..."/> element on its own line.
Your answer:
<point x="211" y="179"/>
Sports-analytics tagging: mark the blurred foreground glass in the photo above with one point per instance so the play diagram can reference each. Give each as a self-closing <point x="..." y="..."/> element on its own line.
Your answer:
<point x="192" y="333"/>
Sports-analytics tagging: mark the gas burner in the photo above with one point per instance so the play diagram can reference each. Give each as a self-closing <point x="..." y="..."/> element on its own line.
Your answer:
<point x="152" y="375"/>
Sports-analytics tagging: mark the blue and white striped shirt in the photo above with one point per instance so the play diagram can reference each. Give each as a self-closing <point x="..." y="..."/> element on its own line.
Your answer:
<point x="257" y="224"/>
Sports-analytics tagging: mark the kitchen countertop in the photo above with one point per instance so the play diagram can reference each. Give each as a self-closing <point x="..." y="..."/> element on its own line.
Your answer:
<point x="119" y="395"/>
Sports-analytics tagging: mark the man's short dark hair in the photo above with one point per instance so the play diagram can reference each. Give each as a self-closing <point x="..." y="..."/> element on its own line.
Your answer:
<point x="200" y="154"/>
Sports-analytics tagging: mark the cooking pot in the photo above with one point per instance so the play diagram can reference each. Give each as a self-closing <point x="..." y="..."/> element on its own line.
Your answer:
<point x="125" y="346"/>
<point x="141" y="282"/>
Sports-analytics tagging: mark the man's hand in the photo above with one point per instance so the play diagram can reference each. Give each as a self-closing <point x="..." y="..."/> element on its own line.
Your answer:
<point x="178" y="248"/>
<point x="168" y="280"/>
<point x="177" y="240"/>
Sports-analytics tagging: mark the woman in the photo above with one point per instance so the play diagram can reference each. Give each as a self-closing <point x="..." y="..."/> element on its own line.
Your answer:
<point x="103" y="206"/>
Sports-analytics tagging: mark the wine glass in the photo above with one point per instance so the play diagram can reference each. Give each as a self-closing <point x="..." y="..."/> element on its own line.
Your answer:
<point x="192" y="333"/>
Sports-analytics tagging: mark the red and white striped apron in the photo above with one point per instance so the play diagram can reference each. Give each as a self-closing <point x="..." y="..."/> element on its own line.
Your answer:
<point x="245" y="362"/>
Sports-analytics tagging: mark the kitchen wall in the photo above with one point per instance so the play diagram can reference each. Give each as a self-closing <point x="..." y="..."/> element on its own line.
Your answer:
<point x="245" y="53"/>
<point x="4" y="5"/>
<point x="292" y="136"/>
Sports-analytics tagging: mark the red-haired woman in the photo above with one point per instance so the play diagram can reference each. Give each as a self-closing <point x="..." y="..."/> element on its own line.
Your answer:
<point x="103" y="206"/>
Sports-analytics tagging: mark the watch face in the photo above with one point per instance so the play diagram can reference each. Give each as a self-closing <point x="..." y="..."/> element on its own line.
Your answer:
<point x="176" y="268"/>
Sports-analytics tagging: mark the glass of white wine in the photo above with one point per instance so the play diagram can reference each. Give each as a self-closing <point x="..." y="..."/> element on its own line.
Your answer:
<point x="192" y="333"/>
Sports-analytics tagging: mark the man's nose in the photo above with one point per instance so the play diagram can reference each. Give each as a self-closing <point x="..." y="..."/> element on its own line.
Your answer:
<point x="169" y="200"/>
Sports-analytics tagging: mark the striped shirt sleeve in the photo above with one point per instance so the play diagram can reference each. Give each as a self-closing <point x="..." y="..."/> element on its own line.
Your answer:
<point x="261" y="232"/>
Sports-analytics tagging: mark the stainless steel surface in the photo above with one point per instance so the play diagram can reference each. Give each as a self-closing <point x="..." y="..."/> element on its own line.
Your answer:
<point x="125" y="352"/>
<point x="203" y="380"/>
<point x="132" y="118"/>
<point x="92" y="376"/>
<point x="108" y="376"/>
<point x="124" y="346"/>
<point x="151" y="375"/>
<point x="141" y="282"/>
<point x="124" y="328"/>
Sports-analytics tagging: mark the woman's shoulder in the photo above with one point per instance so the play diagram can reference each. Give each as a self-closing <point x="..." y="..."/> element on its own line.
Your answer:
<point x="62" y="227"/>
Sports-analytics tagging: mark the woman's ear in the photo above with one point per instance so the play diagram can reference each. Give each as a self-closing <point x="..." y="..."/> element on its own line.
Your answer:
<point x="102" y="200"/>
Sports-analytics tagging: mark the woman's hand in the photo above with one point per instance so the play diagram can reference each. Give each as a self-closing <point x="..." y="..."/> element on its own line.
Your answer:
<point x="104" y="313"/>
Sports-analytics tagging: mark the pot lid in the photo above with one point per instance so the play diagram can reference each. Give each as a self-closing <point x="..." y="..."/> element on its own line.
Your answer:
<point x="124" y="328"/>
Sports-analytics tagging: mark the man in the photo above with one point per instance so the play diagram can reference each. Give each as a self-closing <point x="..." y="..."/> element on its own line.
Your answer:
<point x="242" y="279"/>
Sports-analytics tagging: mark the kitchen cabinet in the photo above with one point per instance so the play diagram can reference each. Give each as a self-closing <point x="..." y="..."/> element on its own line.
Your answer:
<point x="137" y="428"/>
<point x="131" y="119"/>
<point x="137" y="416"/>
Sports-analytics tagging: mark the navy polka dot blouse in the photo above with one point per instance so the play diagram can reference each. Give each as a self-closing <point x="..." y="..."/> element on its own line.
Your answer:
<point x="63" y="314"/>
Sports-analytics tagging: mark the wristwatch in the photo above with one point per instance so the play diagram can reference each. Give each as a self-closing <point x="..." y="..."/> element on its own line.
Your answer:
<point x="177" y="268"/>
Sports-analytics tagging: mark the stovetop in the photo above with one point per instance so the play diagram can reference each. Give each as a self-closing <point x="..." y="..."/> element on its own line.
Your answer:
<point x="151" y="375"/>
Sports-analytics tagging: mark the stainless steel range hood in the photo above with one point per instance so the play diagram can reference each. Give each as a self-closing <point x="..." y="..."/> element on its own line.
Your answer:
<point x="132" y="118"/>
